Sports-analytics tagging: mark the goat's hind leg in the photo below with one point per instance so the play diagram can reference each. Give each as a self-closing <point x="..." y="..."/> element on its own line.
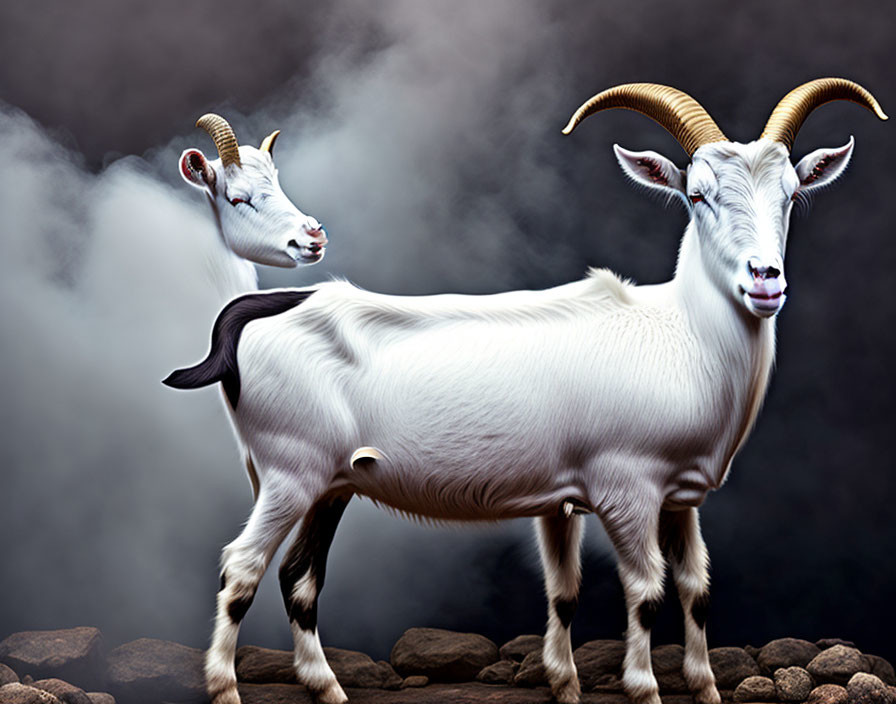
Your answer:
<point x="301" y="580"/>
<point x="243" y="562"/>
<point x="683" y="543"/>
<point x="559" y="542"/>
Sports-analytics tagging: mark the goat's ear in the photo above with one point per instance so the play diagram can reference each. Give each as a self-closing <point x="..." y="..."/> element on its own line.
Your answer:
<point x="196" y="170"/>
<point x="823" y="166"/>
<point x="651" y="169"/>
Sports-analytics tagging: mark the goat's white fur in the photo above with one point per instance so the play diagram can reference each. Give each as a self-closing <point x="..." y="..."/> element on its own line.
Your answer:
<point x="629" y="401"/>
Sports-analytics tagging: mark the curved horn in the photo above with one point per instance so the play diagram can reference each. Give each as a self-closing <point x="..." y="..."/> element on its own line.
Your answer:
<point x="268" y="144"/>
<point x="222" y="134"/>
<point x="678" y="112"/>
<point x="789" y="114"/>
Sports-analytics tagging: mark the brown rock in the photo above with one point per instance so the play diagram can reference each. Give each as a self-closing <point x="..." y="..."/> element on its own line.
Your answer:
<point x="274" y="694"/>
<point x="390" y="678"/>
<point x="531" y="672"/>
<point x="147" y="671"/>
<point x="828" y="694"/>
<point x="882" y="668"/>
<point x="752" y="651"/>
<point x="786" y="652"/>
<point x="500" y="672"/>
<point x="599" y="662"/>
<point x="354" y="669"/>
<point x="609" y="684"/>
<point x="414" y="681"/>
<point x="264" y="665"/>
<point x="65" y="692"/>
<point x="864" y="688"/>
<point x="461" y="693"/>
<point x="17" y="693"/>
<point x="520" y="647"/>
<point x="7" y="675"/>
<point x="75" y="655"/>
<point x="826" y="643"/>
<point x="755" y="689"/>
<point x="443" y="656"/>
<point x="101" y="698"/>
<point x="837" y="664"/>
<point x="731" y="666"/>
<point x="793" y="684"/>
<point x="667" y="661"/>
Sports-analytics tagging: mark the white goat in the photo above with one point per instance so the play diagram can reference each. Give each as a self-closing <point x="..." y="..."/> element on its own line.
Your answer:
<point x="596" y="396"/>
<point x="256" y="221"/>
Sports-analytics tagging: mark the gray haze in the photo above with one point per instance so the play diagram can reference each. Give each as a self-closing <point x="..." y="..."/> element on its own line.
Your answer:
<point x="425" y="135"/>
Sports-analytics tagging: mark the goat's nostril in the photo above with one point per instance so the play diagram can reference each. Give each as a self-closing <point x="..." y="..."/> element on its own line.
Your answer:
<point x="758" y="271"/>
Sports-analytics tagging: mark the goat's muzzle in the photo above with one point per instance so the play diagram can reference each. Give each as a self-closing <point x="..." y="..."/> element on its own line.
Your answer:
<point x="765" y="290"/>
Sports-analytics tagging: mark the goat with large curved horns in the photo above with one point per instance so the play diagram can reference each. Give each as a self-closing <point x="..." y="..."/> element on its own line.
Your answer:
<point x="596" y="396"/>
<point x="255" y="219"/>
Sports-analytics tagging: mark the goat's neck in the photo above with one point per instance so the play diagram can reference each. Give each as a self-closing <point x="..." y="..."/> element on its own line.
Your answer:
<point x="738" y="348"/>
<point x="712" y="312"/>
<point x="232" y="275"/>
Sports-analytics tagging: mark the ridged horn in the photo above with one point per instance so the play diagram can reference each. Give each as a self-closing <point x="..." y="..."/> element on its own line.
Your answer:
<point x="677" y="112"/>
<point x="793" y="109"/>
<point x="268" y="144"/>
<point x="222" y="134"/>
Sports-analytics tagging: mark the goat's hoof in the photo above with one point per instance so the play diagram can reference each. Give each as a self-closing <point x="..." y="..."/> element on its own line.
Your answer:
<point x="707" y="695"/>
<point x="333" y="694"/>
<point x="567" y="692"/>
<point x="227" y="696"/>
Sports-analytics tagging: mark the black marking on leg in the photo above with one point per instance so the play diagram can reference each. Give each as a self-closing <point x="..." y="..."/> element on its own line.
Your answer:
<point x="223" y="582"/>
<point x="647" y="612"/>
<point x="238" y="607"/>
<point x="305" y="617"/>
<point x="220" y="364"/>
<point x="565" y="610"/>
<point x="700" y="609"/>
<point x="308" y="555"/>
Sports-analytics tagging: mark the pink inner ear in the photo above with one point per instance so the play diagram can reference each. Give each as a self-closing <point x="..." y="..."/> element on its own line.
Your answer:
<point x="819" y="168"/>
<point x="191" y="165"/>
<point x="653" y="170"/>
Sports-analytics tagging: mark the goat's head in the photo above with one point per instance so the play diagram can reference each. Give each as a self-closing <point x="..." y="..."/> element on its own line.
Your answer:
<point x="739" y="195"/>
<point x="257" y="220"/>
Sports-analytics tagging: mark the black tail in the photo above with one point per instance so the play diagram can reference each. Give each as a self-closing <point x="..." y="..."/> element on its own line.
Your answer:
<point x="220" y="364"/>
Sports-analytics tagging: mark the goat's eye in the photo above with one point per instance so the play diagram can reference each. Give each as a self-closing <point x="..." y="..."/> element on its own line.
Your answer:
<point x="696" y="198"/>
<point x="237" y="201"/>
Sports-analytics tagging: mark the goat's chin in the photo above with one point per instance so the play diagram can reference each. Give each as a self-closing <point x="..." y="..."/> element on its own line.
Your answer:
<point x="764" y="307"/>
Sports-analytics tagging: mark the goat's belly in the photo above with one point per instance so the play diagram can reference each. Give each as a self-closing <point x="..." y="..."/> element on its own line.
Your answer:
<point x="465" y="496"/>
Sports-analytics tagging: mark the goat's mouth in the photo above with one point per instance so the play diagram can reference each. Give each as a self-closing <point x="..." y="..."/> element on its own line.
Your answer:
<point x="306" y="254"/>
<point x="763" y="302"/>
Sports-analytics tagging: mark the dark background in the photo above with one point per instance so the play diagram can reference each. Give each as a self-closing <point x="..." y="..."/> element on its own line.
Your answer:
<point x="426" y="136"/>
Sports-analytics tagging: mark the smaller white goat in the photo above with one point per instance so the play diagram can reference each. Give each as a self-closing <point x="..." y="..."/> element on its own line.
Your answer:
<point x="256" y="221"/>
<point x="595" y="396"/>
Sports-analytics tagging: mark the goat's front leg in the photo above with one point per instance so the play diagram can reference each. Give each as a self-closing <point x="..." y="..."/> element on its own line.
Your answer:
<point x="559" y="542"/>
<point x="301" y="580"/>
<point x="243" y="562"/>
<point x="681" y="540"/>
<point x="633" y="528"/>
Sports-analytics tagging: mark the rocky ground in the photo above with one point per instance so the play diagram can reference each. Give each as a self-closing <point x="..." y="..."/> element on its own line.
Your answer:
<point x="427" y="666"/>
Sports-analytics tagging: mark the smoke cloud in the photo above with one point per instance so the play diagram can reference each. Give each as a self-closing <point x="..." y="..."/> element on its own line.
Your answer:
<point x="426" y="138"/>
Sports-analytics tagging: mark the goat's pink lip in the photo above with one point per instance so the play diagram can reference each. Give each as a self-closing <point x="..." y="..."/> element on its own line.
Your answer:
<point x="764" y="296"/>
